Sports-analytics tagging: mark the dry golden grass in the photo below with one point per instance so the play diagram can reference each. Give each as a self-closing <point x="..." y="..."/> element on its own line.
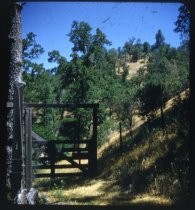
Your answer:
<point x="112" y="139"/>
<point x="133" y="68"/>
<point x="95" y="192"/>
<point x="93" y="189"/>
<point x="106" y="192"/>
<point x="150" y="199"/>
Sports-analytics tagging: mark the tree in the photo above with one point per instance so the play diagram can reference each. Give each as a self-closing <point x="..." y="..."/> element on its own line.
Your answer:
<point x="80" y="36"/>
<point x="31" y="51"/>
<point x="183" y="22"/>
<point x="128" y="48"/>
<point x="183" y="27"/>
<point x="55" y="57"/>
<point x="166" y="77"/>
<point x="32" y="71"/>
<point x="111" y="59"/>
<point x="125" y="72"/>
<point x="41" y="86"/>
<point x="146" y="48"/>
<point x="153" y="93"/>
<point x="79" y="74"/>
<point x="133" y="49"/>
<point x="15" y="72"/>
<point x="160" y="40"/>
<point x="96" y="54"/>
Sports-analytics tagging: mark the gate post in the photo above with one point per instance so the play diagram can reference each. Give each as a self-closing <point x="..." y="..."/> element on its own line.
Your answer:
<point x="93" y="144"/>
<point x="16" y="174"/>
<point x="27" y="152"/>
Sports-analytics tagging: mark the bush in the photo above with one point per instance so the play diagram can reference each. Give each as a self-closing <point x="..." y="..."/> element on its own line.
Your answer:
<point x="68" y="128"/>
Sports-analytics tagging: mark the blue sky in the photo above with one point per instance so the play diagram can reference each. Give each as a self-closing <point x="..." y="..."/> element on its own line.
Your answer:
<point x="51" y="22"/>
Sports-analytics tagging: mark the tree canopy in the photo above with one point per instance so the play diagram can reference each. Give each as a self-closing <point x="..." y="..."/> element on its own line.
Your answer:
<point x="90" y="76"/>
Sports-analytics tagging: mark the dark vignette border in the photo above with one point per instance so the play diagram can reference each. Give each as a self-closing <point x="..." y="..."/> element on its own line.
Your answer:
<point x="4" y="66"/>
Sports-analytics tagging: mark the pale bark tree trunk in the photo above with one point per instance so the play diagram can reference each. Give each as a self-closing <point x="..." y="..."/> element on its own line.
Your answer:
<point x="14" y="128"/>
<point x="15" y="72"/>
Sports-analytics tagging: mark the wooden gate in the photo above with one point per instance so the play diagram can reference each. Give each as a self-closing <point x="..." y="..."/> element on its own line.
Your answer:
<point x="80" y="155"/>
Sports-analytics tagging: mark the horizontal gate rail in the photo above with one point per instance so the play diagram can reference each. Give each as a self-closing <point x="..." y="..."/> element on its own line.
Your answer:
<point x="61" y="174"/>
<point x="74" y="150"/>
<point x="56" y="166"/>
<point x="67" y="150"/>
<point x="44" y="105"/>
<point x="78" y="153"/>
<point x="63" y="141"/>
<point x="75" y="156"/>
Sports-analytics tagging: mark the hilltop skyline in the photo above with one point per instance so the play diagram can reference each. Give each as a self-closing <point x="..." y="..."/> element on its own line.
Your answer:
<point x="51" y="22"/>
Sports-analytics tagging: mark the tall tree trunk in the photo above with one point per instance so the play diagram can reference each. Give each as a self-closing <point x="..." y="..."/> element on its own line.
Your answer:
<point x="15" y="72"/>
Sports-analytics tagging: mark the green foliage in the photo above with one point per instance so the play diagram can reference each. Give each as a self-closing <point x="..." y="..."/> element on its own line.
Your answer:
<point x="80" y="36"/>
<point x="135" y="50"/>
<point x="160" y="40"/>
<point x="146" y="48"/>
<point x="183" y="22"/>
<point x="47" y="132"/>
<point x="35" y="91"/>
<point x="105" y="129"/>
<point x="163" y="79"/>
<point x="90" y="77"/>
<point x="31" y="51"/>
<point x="126" y="102"/>
<point x="125" y="72"/>
<point x="84" y="117"/>
<point x="68" y="128"/>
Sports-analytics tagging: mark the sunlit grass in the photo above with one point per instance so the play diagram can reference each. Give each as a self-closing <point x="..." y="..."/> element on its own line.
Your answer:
<point x="98" y="192"/>
<point x="79" y="194"/>
<point x="151" y="200"/>
<point x="93" y="193"/>
<point x="146" y="153"/>
<point x="138" y="157"/>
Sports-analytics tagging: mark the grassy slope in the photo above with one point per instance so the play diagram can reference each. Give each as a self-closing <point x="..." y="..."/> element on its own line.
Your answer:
<point x="153" y="162"/>
<point x="151" y="168"/>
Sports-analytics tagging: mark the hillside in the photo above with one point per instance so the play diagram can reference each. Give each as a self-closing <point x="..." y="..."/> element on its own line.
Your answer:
<point x="151" y="168"/>
<point x="133" y="67"/>
<point x="137" y="122"/>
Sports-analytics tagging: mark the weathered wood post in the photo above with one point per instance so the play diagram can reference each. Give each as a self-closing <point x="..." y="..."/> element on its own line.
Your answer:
<point x="16" y="174"/>
<point x="93" y="144"/>
<point x="27" y="144"/>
